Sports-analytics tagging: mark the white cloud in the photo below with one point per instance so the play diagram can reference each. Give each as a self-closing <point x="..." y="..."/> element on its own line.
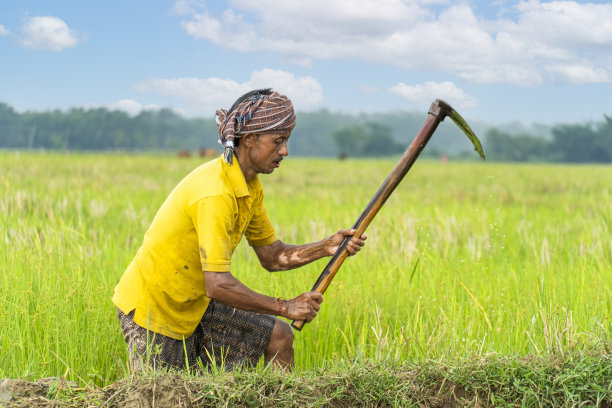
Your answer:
<point x="206" y="95"/>
<point x="182" y="7"/>
<point x="568" y="22"/>
<point x="304" y="92"/>
<point x="579" y="74"/>
<point x="299" y="29"/>
<point x="3" y="31"/>
<point x="430" y="91"/>
<point x="131" y="107"/>
<point x="48" y="33"/>
<point x="535" y="42"/>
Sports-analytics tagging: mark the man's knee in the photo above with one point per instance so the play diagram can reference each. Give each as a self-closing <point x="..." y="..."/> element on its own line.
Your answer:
<point x="282" y="335"/>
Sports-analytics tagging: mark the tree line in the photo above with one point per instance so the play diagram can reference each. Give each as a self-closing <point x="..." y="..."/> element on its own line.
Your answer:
<point x="321" y="133"/>
<point x="101" y="129"/>
<point x="576" y="143"/>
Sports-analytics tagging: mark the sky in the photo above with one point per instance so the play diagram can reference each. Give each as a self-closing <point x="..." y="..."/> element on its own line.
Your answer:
<point x="532" y="61"/>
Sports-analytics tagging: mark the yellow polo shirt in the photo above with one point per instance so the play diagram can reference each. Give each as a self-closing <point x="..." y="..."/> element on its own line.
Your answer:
<point x="196" y="229"/>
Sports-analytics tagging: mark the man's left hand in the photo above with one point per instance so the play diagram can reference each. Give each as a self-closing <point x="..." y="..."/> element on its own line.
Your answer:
<point x="352" y="247"/>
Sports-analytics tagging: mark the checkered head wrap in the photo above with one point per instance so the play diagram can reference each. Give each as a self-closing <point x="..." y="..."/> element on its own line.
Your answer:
<point x="260" y="113"/>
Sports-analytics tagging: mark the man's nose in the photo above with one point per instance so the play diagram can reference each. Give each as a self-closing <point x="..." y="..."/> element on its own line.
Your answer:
<point x="284" y="150"/>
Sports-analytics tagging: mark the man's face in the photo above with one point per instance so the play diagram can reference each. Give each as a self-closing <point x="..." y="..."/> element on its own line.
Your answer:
<point x="268" y="150"/>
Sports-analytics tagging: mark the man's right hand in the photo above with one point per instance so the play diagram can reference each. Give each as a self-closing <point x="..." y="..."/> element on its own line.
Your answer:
<point x="303" y="307"/>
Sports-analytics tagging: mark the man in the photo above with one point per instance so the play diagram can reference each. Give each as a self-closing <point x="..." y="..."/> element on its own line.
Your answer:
<point x="178" y="303"/>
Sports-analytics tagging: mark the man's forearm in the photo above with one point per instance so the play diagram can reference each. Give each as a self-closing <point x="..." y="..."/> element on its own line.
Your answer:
<point x="225" y="288"/>
<point x="293" y="256"/>
<point x="279" y="256"/>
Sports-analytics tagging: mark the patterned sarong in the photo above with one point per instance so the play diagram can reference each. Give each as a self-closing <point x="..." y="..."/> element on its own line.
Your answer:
<point x="226" y="337"/>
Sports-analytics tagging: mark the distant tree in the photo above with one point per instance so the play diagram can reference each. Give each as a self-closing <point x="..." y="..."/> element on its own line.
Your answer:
<point x="379" y="141"/>
<point x="371" y="140"/>
<point x="319" y="133"/>
<point x="604" y="133"/>
<point x="350" y="140"/>
<point x="520" y="148"/>
<point x="12" y="129"/>
<point x="583" y="143"/>
<point x="101" y="129"/>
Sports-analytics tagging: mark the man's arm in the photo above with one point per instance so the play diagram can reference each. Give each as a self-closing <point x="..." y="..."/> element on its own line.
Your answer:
<point x="279" y="256"/>
<point x="225" y="288"/>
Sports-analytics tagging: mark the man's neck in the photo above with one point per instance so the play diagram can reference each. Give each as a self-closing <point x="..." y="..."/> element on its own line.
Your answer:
<point x="244" y="163"/>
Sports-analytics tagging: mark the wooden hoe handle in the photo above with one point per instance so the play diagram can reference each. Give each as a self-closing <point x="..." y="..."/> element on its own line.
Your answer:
<point x="437" y="112"/>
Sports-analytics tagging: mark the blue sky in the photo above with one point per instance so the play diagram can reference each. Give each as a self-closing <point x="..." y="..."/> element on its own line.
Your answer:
<point x="498" y="61"/>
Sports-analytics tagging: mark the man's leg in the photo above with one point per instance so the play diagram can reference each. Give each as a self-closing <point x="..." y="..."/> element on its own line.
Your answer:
<point x="280" y="348"/>
<point x="234" y="336"/>
<point x="150" y="351"/>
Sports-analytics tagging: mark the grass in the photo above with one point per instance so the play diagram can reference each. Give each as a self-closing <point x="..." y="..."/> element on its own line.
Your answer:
<point x="573" y="380"/>
<point x="464" y="261"/>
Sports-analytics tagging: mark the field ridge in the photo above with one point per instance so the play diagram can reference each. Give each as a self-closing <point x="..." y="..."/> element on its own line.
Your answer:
<point x="563" y="380"/>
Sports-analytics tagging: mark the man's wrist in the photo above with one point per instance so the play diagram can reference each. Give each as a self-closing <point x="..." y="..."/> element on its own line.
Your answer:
<point x="281" y="306"/>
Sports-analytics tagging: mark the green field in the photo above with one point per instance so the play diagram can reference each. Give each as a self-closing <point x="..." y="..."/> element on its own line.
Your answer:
<point x="464" y="260"/>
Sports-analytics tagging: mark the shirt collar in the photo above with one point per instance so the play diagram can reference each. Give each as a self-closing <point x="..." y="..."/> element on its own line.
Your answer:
<point x="237" y="180"/>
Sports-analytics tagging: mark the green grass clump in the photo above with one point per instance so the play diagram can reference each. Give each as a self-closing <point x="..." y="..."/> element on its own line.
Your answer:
<point x="571" y="380"/>
<point x="464" y="261"/>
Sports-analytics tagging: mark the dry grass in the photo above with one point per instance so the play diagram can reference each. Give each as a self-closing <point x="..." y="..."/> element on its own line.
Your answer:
<point x="571" y="380"/>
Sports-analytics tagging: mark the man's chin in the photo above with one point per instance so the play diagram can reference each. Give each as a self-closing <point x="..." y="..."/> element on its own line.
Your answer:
<point x="267" y="170"/>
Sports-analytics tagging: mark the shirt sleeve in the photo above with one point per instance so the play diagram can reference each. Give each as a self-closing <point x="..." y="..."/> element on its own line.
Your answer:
<point x="260" y="231"/>
<point x="213" y="220"/>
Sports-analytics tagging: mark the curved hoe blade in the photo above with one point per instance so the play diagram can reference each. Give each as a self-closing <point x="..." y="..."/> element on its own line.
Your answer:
<point x="459" y="121"/>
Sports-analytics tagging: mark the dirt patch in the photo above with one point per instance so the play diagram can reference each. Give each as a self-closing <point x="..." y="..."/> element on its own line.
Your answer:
<point x="15" y="392"/>
<point x="14" y="389"/>
<point x="161" y="392"/>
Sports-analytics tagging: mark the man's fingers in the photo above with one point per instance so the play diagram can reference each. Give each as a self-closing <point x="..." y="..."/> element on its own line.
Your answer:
<point x="348" y="232"/>
<point x="306" y="306"/>
<point x="355" y="244"/>
<point x="354" y="247"/>
<point x="316" y="296"/>
<point x="359" y="241"/>
<point x="311" y="314"/>
<point x="351" y="233"/>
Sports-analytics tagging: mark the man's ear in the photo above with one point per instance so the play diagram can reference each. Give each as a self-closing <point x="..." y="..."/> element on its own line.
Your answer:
<point x="248" y="140"/>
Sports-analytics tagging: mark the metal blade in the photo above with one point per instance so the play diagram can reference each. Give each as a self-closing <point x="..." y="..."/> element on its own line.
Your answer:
<point x="459" y="121"/>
